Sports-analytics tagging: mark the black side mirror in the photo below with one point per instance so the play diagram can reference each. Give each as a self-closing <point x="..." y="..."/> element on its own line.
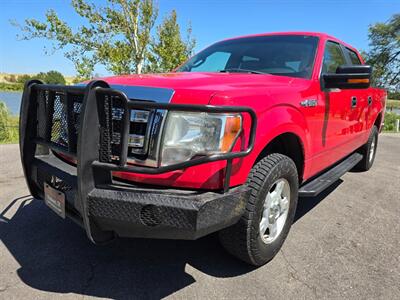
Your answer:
<point x="348" y="77"/>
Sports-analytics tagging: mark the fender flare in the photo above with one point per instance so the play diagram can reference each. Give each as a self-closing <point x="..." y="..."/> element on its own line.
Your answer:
<point x="286" y="119"/>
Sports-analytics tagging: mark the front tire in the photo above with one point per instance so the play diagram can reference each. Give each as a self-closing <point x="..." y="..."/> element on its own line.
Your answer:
<point x="260" y="233"/>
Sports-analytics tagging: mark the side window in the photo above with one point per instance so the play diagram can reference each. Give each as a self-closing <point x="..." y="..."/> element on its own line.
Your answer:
<point x="213" y="63"/>
<point x="353" y="57"/>
<point x="333" y="57"/>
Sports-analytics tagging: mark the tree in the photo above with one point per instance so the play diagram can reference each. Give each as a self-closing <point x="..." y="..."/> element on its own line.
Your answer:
<point x="168" y="50"/>
<point x="384" y="54"/>
<point x="51" y="77"/>
<point x="117" y="35"/>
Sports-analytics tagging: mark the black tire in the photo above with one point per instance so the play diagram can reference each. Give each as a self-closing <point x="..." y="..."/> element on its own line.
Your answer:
<point x="368" y="157"/>
<point x="243" y="239"/>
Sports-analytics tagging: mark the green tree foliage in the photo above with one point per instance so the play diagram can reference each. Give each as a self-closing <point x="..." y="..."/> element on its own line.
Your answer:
<point x="51" y="77"/>
<point x="169" y="50"/>
<point x="116" y="35"/>
<point x="384" y="54"/>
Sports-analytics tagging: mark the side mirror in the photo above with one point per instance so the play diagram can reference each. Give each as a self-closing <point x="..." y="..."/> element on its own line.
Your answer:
<point x="348" y="77"/>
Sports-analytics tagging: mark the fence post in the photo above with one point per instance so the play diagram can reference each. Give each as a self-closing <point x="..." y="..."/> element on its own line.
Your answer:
<point x="397" y="125"/>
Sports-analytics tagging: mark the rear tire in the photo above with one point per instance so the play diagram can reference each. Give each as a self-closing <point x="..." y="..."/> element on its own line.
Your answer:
<point x="368" y="151"/>
<point x="261" y="231"/>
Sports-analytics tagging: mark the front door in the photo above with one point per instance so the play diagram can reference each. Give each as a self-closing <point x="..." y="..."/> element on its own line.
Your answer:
<point x="337" y="131"/>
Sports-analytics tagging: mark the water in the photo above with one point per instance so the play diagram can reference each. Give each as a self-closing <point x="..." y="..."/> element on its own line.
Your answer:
<point x="12" y="100"/>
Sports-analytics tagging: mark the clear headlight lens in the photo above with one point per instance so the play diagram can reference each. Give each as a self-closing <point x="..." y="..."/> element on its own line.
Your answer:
<point x="190" y="134"/>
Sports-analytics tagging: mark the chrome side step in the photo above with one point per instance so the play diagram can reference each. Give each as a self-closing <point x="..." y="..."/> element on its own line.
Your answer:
<point x="317" y="185"/>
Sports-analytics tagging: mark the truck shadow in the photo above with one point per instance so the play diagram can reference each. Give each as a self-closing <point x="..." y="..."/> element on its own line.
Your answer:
<point x="56" y="256"/>
<point x="306" y="204"/>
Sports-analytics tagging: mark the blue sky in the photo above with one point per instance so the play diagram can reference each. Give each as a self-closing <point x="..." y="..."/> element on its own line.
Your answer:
<point x="211" y="21"/>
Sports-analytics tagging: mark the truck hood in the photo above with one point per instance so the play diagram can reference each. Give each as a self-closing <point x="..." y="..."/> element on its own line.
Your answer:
<point x="193" y="88"/>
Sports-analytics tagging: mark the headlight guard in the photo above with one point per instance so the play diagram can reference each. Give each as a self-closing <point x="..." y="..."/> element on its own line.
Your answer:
<point x="102" y="95"/>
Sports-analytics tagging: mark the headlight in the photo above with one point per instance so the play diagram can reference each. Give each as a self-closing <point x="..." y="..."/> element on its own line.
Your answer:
<point x="191" y="134"/>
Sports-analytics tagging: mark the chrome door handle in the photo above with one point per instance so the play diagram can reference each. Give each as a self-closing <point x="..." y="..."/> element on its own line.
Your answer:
<point x="353" y="102"/>
<point x="369" y="100"/>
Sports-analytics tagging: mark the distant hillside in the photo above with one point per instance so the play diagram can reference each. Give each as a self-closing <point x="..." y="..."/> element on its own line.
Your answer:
<point x="5" y="76"/>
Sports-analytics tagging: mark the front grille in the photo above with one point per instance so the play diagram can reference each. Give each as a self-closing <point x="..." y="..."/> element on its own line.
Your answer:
<point x="58" y="118"/>
<point x="111" y="119"/>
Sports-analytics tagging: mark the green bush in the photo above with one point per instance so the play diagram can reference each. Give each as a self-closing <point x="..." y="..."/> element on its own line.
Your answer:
<point x="51" y="77"/>
<point x="8" y="125"/>
<point x="54" y="77"/>
<point x="390" y="121"/>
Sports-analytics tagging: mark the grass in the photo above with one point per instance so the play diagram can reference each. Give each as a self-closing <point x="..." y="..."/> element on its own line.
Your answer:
<point x="390" y="121"/>
<point x="392" y="104"/>
<point x="11" y="87"/>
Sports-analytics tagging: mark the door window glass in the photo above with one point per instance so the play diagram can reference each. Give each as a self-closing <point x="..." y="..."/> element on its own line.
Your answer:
<point x="333" y="57"/>
<point x="353" y="57"/>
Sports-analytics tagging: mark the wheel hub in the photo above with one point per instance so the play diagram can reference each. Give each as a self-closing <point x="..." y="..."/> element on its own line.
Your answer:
<point x="275" y="211"/>
<point x="372" y="149"/>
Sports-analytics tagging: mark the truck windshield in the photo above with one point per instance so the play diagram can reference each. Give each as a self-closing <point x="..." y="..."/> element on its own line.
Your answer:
<point x="285" y="55"/>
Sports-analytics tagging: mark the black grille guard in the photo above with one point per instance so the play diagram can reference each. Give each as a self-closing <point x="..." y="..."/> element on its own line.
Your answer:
<point x="83" y="142"/>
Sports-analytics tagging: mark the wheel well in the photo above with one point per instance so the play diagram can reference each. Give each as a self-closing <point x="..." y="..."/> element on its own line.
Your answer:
<point x="378" y="121"/>
<point x="287" y="144"/>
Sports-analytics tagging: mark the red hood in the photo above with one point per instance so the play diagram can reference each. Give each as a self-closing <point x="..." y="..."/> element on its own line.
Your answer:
<point x="198" y="88"/>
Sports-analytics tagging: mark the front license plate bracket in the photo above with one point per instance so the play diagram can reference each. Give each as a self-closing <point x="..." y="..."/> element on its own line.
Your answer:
<point x="55" y="200"/>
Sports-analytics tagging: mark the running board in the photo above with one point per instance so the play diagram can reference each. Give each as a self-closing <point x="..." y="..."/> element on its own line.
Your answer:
<point x="317" y="185"/>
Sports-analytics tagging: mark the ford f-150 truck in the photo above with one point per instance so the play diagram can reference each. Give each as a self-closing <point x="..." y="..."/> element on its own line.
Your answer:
<point x="226" y="142"/>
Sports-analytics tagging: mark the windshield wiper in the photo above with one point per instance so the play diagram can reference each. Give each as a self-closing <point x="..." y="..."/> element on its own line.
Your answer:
<point x="238" y="70"/>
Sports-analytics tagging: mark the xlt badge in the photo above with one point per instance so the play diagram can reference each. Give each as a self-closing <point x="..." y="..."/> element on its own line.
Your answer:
<point x="309" y="103"/>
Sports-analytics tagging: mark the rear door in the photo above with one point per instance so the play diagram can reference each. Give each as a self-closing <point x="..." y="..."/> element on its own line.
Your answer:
<point x="361" y="101"/>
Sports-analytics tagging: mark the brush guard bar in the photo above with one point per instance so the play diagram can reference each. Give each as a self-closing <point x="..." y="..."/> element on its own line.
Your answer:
<point x="96" y="120"/>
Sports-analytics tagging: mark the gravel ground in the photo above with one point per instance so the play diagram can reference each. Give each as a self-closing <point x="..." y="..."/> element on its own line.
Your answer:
<point x="345" y="243"/>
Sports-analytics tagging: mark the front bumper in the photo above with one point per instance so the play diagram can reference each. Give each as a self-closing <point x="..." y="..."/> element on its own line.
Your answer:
<point x="101" y="205"/>
<point x="130" y="211"/>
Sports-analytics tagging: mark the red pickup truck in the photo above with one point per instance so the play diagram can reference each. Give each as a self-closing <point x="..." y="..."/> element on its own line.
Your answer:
<point x="227" y="142"/>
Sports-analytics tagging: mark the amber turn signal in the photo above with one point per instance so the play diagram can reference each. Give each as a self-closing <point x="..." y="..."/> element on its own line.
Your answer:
<point x="233" y="125"/>
<point x="361" y="80"/>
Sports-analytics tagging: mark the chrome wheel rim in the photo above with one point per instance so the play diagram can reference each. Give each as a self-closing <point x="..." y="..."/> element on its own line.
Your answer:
<point x="275" y="211"/>
<point x="372" y="149"/>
